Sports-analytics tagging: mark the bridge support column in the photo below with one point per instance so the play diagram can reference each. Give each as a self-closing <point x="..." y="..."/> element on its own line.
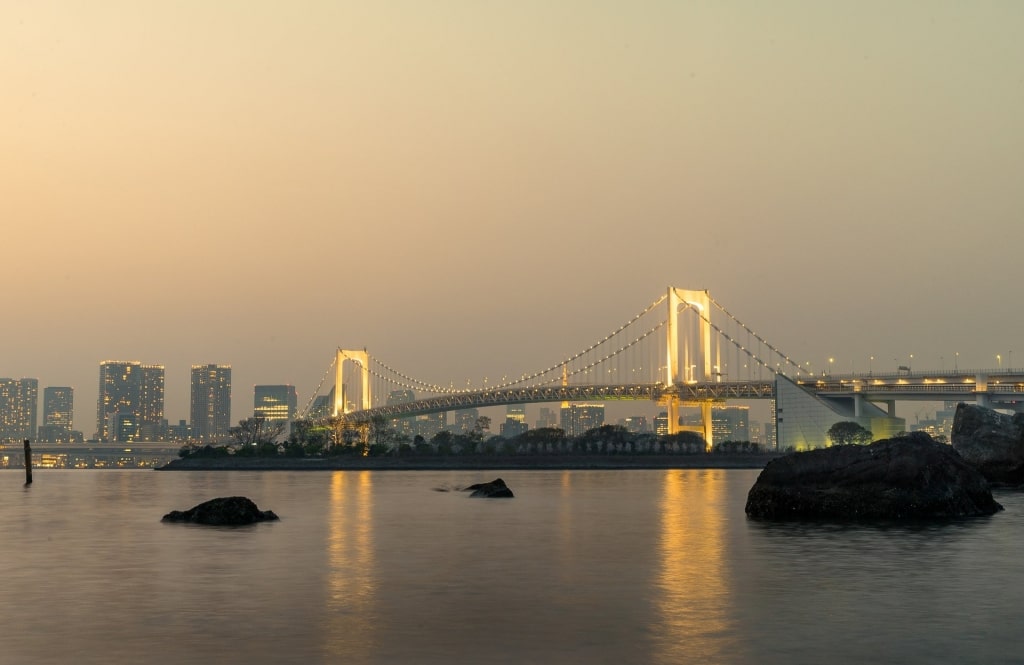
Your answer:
<point x="672" y="409"/>
<point x="858" y="406"/>
<point x="981" y="391"/>
<point x="361" y="358"/>
<point x="706" y="422"/>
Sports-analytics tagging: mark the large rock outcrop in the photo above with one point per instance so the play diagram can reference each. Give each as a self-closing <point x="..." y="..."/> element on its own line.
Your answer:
<point x="906" y="477"/>
<point x="991" y="442"/>
<point x="496" y="489"/>
<point x="224" y="511"/>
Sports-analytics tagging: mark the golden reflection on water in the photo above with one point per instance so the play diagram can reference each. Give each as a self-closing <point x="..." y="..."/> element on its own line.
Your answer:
<point x="694" y="598"/>
<point x="351" y="580"/>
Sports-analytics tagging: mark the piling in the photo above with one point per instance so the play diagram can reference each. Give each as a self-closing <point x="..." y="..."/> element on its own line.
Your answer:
<point x="28" y="463"/>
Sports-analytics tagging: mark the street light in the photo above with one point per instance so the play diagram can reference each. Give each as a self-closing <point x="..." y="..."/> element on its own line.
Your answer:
<point x="830" y="361"/>
<point x="956" y="363"/>
<point x="871" y="361"/>
<point x="999" y="362"/>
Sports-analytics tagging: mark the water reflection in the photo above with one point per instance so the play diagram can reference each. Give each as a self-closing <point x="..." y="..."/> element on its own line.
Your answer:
<point x="351" y="577"/>
<point x="694" y="601"/>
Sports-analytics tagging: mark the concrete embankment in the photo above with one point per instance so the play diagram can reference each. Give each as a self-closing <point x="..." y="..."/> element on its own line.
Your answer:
<point x="496" y="463"/>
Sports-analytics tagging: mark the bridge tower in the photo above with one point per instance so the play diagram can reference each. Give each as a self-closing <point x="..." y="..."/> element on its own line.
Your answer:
<point x="361" y="358"/>
<point x="697" y="361"/>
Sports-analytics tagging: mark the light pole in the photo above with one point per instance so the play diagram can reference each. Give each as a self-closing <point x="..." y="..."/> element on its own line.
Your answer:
<point x="830" y="361"/>
<point x="871" y="362"/>
<point x="999" y="363"/>
<point x="956" y="363"/>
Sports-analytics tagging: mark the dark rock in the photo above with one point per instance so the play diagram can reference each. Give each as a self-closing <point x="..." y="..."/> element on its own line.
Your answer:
<point x="991" y="442"/>
<point x="496" y="489"/>
<point x="225" y="511"/>
<point x="905" y="477"/>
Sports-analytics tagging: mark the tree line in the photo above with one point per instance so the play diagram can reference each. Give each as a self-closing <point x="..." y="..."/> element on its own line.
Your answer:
<point x="257" y="437"/>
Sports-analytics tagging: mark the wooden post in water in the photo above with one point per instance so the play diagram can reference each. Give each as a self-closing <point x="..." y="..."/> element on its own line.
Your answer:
<point x="28" y="463"/>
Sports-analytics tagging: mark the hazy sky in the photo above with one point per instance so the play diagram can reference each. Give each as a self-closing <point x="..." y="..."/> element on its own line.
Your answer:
<point x="482" y="188"/>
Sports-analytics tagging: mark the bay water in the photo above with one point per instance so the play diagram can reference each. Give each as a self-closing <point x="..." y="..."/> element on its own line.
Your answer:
<point x="400" y="567"/>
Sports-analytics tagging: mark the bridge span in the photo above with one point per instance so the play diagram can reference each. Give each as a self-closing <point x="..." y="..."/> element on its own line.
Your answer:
<point x="1006" y="391"/>
<point x="683" y="350"/>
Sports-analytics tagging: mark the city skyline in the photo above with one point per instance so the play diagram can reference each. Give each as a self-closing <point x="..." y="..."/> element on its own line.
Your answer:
<point x="474" y="191"/>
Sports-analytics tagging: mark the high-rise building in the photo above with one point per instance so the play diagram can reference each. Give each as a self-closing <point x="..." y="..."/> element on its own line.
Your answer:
<point x="515" y="421"/>
<point x="210" y="403"/>
<point x="119" y="392"/>
<point x="661" y="423"/>
<point x="19" y="408"/>
<point x="58" y="411"/>
<point x="579" y="418"/>
<point x="277" y="403"/>
<point x="547" y="418"/>
<point x="59" y="407"/>
<point x="406" y="426"/>
<point x="730" y="423"/>
<point x="129" y="388"/>
<point x="465" y="420"/>
<point x="429" y="424"/>
<point x="323" y="406"/>
<point x="151" y="398"/>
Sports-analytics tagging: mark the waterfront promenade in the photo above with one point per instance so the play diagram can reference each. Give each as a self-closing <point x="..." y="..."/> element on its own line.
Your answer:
<point x="473" y="463"/>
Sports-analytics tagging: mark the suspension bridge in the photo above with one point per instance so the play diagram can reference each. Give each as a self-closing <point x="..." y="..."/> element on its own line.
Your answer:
<point x="685" y="349"/>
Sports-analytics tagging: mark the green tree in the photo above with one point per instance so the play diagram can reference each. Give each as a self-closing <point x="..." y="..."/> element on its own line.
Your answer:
<point x="256" y="431"/>
<point x="482" y="426"/>
<point x="846" y="432"/>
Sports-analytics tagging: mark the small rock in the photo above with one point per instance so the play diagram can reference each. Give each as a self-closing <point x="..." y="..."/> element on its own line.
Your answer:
<point x="224" y="511"/>
<point x="496" y="489"/>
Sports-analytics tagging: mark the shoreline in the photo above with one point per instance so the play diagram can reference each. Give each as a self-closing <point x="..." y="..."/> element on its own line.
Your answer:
<point x="499" y="463"/>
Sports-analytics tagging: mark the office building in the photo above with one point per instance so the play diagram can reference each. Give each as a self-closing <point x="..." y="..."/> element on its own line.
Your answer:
<point x="58" y="407"/>
<point x="119" y="392"/>
<point x="661" y="424"/>
<point x="515" y="421"/>
<point x="547" y="418"/>
<point x="465" y="421"/>
<point x="276" y="403"/>
<point x="130" y="402"/>
<point x="730" y="423"/>
<point x="210" y="403"/>
<point x="579" y="418"/>
<point x="427" y="425"/>
<point x="150" y="413"/>
<point x="323" y="406"/>
<point x="19" y="408"/>
<point x="58" y="414"/>
<point x="405" y="426"/>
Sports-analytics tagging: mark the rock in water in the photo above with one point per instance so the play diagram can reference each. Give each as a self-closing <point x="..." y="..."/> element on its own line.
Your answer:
<point x="496" y="489"/>
<point x="225" y="511"/>
<point x="991" y="442"/>
<point x="905" y="477"/>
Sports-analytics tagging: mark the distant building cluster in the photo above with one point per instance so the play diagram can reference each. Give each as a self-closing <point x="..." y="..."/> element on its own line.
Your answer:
<point x="130" y="406"/>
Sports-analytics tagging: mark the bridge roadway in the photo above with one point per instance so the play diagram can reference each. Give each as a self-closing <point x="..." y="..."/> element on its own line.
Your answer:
<point x="998" y="388"/>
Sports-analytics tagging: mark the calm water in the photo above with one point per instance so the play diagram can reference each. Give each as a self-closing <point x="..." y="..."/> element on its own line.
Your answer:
<point x="581" y="567"/>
